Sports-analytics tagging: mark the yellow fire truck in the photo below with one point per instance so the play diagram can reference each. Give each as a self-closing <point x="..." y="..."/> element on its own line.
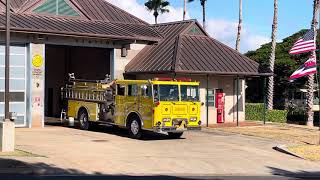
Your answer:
<point x="161" y="105"/>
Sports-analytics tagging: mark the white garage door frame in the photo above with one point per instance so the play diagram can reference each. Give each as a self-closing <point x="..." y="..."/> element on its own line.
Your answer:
<point x="16" y="78"/>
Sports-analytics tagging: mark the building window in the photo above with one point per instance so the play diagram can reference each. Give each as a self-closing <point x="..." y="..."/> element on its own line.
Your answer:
<point x="210" y="98"/>
<point x="56" y="7"/>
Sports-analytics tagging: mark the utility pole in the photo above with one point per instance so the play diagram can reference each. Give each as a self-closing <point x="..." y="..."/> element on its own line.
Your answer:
<point x="7" y="126"/>
<point x="7" y="56"/>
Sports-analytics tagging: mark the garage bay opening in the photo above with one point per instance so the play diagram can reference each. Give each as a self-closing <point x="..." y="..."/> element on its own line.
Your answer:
<point x="85" y="62"/>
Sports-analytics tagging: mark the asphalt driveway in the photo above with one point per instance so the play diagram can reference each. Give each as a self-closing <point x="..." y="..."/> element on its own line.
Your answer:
<point x="110" y="152"/>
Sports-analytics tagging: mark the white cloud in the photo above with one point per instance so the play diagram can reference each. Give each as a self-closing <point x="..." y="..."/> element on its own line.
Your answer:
<point x="222" y="30"/>
<point x="139" y="10"/>
<point x="226" y="32"/>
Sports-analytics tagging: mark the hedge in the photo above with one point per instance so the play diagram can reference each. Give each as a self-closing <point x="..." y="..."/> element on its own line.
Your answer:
<point x="254" y="111"/>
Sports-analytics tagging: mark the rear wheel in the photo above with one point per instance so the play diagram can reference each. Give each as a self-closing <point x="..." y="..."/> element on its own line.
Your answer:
<point x="134" y="127"/>
<point x="175" y="135"/>
<point x="84" y="120"/>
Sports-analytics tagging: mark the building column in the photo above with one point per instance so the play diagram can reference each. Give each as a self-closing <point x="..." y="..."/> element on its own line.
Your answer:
<point x="36" y="84"/>
<point x="112" y="64"/>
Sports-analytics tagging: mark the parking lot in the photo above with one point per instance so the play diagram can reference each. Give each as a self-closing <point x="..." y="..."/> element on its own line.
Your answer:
<point x="106" y="151"/>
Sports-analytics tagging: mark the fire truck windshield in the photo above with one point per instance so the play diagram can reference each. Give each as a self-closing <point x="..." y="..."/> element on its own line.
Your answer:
<point x="189" y="93"/>
<point x="166" y="92"/>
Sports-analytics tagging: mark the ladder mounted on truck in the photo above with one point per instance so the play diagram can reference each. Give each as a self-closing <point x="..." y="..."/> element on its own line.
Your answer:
<point x="88" y="90"/>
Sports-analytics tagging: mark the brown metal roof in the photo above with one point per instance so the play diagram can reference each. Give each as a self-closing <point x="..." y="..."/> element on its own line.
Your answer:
<point x="16" y="4"/>
<point x="204" y="54"/>
<point x="99" y="19"/>
<point x="92" y="10"/>
<point x="2" y="6"/>
<point x="161" y="56"/>
<point x="31" y="23"/>
<point x="181" y="52"/>
<point x="103" y="10"/>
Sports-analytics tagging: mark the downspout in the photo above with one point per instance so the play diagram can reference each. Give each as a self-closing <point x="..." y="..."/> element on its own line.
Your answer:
<point x="207" y="100"/>
<point x="264" y="100"/>
<point x="237" y="91"/>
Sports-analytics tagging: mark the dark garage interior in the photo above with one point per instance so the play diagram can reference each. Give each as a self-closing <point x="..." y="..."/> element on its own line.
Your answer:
<point x="85" y="62"/>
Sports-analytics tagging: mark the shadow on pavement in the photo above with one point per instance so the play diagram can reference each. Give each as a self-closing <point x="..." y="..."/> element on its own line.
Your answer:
<point x="148" y="135"/>
<point x="297" y="175"/>
<point x="18" y="170"/>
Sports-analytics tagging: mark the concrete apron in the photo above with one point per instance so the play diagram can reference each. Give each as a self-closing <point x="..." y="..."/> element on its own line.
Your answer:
<point x="7" y="136"/>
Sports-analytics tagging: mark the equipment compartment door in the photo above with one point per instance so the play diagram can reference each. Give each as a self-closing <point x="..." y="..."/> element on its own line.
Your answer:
<point x="146" y="106"/>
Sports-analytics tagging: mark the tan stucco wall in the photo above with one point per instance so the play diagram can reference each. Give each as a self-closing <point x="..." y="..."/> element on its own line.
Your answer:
<point x="218" y="82"/>
<point x="121" y="62"/>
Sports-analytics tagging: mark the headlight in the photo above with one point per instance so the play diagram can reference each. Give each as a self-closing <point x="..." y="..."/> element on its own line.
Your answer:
<point x="166" y="120"/>
<point x="193" y="119"/>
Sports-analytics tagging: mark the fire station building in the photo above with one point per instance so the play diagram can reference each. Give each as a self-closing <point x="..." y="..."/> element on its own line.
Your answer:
<point x="52" y="38"/>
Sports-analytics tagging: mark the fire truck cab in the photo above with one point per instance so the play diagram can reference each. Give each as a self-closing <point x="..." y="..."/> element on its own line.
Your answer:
<point x="161" y="105"/>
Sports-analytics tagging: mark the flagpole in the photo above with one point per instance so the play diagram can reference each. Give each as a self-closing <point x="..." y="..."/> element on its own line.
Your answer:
<point x="317" y="79"/>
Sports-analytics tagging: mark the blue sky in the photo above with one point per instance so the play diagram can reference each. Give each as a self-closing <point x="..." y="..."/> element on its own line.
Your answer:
<point x="222" y="18"/>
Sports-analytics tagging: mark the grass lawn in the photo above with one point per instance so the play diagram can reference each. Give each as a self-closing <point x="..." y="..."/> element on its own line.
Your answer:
<point x="310" y="152"/>
<point x="17" y="153"/>
<point x="300" y="141"/>
<point x="285" y="133"/>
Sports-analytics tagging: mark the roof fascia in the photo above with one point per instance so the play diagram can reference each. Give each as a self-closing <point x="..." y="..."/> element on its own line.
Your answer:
<point x="80" y="35"/>
<point x="243" y="74"/>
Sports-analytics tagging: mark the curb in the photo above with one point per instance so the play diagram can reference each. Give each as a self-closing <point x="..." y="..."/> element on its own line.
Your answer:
<point x="284" y="149"/>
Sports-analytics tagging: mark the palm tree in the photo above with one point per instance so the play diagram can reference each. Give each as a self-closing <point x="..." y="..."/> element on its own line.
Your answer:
<point x="239" y="26"/>
<point x="185" y="8"/>
<point x="310" y="83"/>
<point x="203" y="4"/>
<point x="158" y="7"/>
<point x="272" y="56"/>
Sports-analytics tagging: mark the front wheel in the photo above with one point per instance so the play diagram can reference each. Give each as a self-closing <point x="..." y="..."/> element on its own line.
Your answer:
<point x="134" y="127"/>
<point x="174" y="135"/>
<point x="84" y="120"/>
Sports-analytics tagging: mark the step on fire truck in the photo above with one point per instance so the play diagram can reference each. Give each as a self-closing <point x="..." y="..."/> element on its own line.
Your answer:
<point x="162" y="105"/>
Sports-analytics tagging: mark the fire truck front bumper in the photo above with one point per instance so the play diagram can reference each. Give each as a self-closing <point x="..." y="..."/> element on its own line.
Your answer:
<point x="175" y="129"/>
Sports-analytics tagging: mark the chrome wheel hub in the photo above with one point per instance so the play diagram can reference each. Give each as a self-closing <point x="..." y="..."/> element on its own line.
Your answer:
<point x="82" y="121"/>
<point x="134" y="127"/>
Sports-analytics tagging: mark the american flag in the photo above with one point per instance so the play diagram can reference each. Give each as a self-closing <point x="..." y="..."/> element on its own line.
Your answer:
<point x="304" y="44"/>
<point x="309" y="67"/>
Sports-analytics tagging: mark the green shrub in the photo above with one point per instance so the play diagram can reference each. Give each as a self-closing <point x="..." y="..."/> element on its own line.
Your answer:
<point x="254" y="111"/>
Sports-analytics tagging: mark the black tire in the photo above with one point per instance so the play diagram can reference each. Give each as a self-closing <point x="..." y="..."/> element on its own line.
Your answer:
<point x="93" y="125"/>
<point x="175" y="135"/>
<point x="84" y="123"/>
<point x="134" y="127"/>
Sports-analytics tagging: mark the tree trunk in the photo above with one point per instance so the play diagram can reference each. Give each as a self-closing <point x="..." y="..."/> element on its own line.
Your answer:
<point x="239" y="26"/>
<point x="310" y="83"/>
<point x="156" y="19"/>
<point x="204" y="15"/>
<point x="272" y="56"/>
<point x="184" y="9"/>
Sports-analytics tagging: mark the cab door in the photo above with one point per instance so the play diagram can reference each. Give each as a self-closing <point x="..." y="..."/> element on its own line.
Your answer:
<point x="132" y="100"/>
<point x="146" y="105"/>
